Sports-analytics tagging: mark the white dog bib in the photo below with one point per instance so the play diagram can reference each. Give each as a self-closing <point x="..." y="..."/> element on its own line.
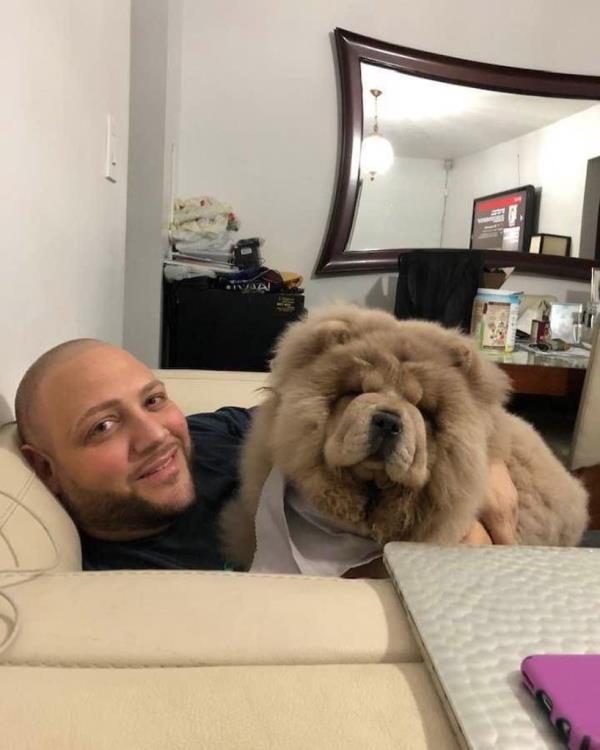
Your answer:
<point x="292" y="537"/>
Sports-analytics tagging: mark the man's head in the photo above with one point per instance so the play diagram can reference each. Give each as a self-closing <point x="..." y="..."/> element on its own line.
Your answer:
<point x="102" y="434"/>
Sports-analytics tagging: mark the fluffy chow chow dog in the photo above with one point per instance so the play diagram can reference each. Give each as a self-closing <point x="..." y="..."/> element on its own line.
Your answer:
<point x="387" y="428"/>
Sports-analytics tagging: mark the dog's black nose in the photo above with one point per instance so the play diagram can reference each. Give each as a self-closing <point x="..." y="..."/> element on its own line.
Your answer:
<point x="386" y="424"/>
<point x="386" y="428"/>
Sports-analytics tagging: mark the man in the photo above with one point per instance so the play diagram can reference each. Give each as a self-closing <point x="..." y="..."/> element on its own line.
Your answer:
<point x="102" y="434"/>
<point x="143" y="484"/>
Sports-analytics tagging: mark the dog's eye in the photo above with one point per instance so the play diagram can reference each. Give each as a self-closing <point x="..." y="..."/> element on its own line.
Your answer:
<point x="429" y="415"/>
<point x="346" y="394"/>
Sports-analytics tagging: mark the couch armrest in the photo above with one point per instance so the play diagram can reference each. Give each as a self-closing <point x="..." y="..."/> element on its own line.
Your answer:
<point x="191" y="618"/>
<point x="35" y="531"/>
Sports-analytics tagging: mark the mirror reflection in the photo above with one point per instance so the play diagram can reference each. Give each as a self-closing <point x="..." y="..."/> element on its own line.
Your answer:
<point x="452" y="144"/>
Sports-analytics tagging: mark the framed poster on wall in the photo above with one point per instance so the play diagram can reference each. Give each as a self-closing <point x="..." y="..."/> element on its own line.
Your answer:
<point x="503" y="221"/>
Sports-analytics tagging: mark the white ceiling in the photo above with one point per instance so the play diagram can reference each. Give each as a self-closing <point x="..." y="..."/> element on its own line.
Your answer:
<point x="432" y="120"/>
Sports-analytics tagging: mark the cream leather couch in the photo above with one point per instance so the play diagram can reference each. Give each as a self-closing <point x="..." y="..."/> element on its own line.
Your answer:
<point x="194" y="659"/>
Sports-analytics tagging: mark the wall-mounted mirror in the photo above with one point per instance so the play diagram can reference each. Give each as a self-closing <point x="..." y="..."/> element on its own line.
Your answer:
<point x="459" y="131"/>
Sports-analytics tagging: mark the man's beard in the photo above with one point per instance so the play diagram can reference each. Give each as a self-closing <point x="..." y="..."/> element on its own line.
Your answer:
<point x="96" y="511"/>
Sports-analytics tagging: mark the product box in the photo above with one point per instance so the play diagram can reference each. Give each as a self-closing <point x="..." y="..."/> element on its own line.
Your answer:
<point x="494" y="319"/>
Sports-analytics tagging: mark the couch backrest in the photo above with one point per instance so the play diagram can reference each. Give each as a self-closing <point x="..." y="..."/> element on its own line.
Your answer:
<point x="206" y="390"/>
<point x="35" y="531"/>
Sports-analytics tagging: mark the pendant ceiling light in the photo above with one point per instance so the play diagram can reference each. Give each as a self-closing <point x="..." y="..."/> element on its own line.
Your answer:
<point x="377" y="153"/>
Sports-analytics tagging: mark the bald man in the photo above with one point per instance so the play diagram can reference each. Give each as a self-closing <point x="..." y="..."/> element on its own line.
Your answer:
<point x="143" y="484"/>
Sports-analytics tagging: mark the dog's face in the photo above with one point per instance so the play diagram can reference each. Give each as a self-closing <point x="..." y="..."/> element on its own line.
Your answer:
<point x="381" y="423"/>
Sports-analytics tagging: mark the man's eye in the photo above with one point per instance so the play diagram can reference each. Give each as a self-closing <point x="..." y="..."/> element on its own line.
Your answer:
<point x="156" y="399"/>
<point x="101" y="428"/>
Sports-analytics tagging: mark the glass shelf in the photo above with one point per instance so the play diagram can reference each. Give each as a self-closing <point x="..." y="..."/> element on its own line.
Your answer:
<point x="523" y="357"/>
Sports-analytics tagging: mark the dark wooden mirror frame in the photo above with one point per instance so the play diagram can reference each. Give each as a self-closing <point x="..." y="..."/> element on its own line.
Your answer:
<point x="352" y="50"/>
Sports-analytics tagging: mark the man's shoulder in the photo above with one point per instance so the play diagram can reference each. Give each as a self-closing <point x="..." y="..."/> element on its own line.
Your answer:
<point x="229" y="420"/>
<point x="217" y="438"/>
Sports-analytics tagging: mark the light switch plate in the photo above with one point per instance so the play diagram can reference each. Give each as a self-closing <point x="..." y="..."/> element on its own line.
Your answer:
<point x="110" y="168"/>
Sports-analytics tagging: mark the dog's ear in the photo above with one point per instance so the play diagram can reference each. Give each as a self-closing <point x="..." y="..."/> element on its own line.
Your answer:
<point x="488" y="381"/>
<point x="462" y="355"/>
<point x="328" y="334"/>
<point x="305" y="340"/>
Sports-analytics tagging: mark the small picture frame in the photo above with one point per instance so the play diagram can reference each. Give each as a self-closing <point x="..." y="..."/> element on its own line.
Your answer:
<point x="550" y="244"/>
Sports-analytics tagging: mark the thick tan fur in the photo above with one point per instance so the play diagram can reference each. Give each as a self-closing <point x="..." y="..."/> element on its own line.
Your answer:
<point x="332" y="372"/>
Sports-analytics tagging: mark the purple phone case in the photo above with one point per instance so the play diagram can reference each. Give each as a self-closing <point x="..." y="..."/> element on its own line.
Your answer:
<point x="567" y="686"/>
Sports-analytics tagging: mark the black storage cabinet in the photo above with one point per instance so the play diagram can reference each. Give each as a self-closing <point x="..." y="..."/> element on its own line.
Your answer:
<point x="211" y="329"/>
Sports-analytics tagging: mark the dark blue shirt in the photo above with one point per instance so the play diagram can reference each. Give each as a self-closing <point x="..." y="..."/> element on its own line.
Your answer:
<point x="190" y="542"/>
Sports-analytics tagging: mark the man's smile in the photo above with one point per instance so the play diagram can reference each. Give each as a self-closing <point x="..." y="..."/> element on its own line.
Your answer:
<point x="161" y="468"/>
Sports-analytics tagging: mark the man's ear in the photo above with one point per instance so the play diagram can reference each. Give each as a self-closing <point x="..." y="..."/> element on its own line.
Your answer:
<point x="42" y="466"/>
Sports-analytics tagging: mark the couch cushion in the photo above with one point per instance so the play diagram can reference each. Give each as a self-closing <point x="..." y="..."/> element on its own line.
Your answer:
<point x="343" y="707"/>
<point x="172" y="618"/>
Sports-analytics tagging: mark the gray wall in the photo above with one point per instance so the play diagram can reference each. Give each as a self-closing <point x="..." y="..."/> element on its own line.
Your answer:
<point x="150" y="172"/>
<point x="591" y="206"/>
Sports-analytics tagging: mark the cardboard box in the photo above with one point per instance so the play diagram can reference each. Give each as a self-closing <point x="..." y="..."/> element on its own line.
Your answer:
<point x="493" y="279"/>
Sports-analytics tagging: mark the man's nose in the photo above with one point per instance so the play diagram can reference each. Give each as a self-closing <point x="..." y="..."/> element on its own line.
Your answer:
<point x="147" y="431"/>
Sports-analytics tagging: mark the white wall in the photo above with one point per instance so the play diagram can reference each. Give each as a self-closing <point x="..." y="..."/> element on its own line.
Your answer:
<point x="554" y="157"/>
<point x="402" y="207"/>
<point x="65" y="65"/>
<point x="259" y="102"/>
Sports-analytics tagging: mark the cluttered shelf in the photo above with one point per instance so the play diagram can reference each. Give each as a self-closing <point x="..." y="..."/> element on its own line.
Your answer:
<point x="543" y="344"/>
<point x="223" y="308"/>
